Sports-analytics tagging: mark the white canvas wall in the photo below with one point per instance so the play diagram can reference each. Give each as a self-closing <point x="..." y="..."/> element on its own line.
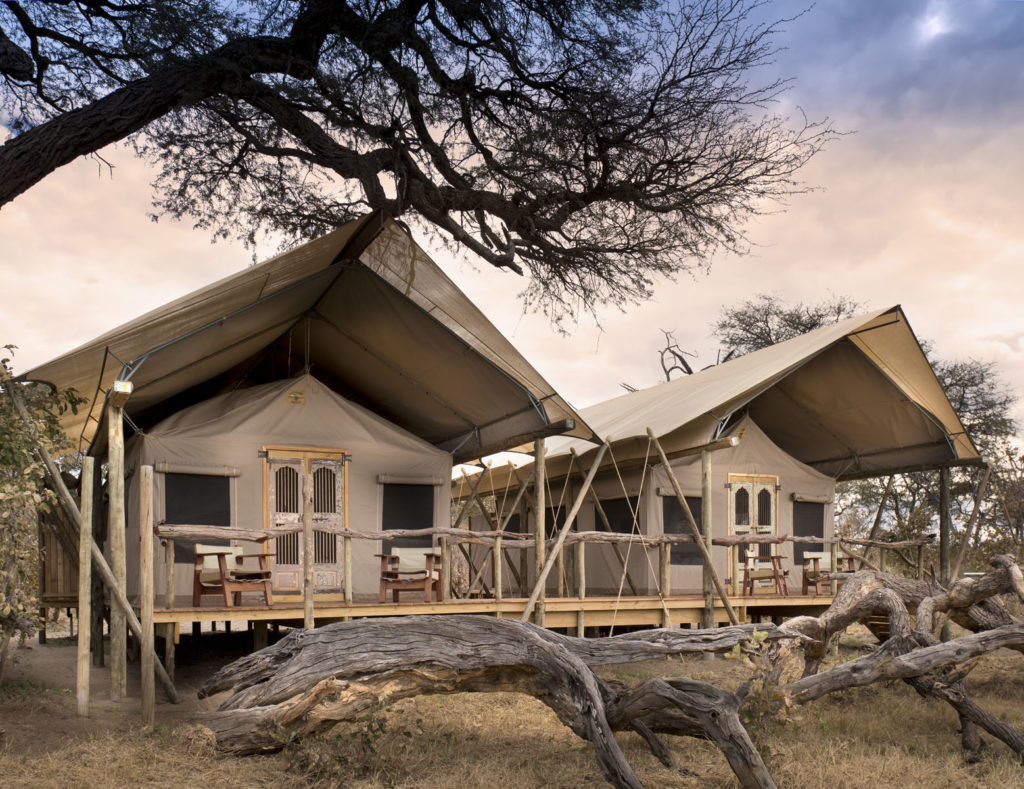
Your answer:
<point x="229" y="431"/>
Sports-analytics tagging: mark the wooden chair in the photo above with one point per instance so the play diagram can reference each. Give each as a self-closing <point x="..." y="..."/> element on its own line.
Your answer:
<point x="221" y="570"/>
<point x="410" y="570"/>
<point x="817" y="568"/>
<point x="757" y="568"/>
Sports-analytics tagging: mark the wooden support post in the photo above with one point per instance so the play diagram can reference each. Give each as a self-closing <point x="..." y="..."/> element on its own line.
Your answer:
<point x="945" y="525"/>
<point x="85" y="586"/>
<point x="524" y="555"/>
<point x="168" y="628"/>
<point x="707" y="584"/>
<point x="979" y="493"/>
<point x="346" y="568"/>
<point x="833" y="586"/>
<point x="446" y="567"/>
<point x="560" y="572"/>
<point x="308" y="621"/>
<point x="540" y="510"/>
<point x="538" y="588"/>
<point x="169" y="573"/>
<point x="259" y="635"/>
<point x="496" y="567"/>
<point x="665" y="580"/>
<point x="98" y="596"/>
<point x="581" y="585"/>
<point x="115" y="530"/>
<point x="146" y="595"/>
<point x="697" y="536"/>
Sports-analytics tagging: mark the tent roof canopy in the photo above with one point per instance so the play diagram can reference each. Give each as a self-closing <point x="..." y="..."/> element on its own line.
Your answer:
<point x="854" y="399"/>
<point x="365" y="309"/>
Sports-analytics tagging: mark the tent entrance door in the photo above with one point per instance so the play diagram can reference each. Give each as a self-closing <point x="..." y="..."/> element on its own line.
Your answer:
<point x="753" y="509"/>
<point x="286" y="469"/>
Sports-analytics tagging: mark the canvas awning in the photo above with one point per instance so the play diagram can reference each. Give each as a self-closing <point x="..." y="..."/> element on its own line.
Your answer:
<point x="854" y="399"/>
<point x="363" y="307"/>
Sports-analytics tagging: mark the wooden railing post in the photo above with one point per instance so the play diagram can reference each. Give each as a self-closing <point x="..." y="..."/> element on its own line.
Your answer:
<point x="146" y="595"/>
<point x="834" y="558"/>
<point x="307" y="552"/>
<point x="496" y="567"/>
<point x="665" y="580"/>
<point x="539" y="516"/>
<point x="707" y="584"/>
<point x="581" y="585"/>
<point x="346" y="567"/>
<point x="85" y="587"/>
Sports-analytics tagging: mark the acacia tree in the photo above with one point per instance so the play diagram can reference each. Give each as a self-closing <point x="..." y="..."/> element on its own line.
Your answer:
<point x="980" y="397"/>
<point x="592" y="144"/>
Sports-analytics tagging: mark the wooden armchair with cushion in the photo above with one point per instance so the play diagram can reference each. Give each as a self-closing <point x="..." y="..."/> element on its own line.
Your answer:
<point x="818" y="570"/>
<point x="222" y="570"/>
<point x="758" y="568"/>
<point x="410" y="570"/>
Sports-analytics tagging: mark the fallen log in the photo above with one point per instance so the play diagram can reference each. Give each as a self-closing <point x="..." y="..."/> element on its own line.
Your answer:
<point x="313" y="678"/>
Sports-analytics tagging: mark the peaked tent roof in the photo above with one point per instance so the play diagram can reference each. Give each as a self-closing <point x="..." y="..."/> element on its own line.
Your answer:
<point x="851" y="399"/>
<point x="854" y="399"/>
<point x="365" y="308"/>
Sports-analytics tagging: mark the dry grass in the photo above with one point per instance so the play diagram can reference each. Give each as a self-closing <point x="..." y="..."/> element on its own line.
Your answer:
<point x="880" y="736"/>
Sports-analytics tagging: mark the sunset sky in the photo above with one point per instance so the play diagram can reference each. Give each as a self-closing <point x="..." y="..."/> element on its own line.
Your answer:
<point x="919" y="205"/>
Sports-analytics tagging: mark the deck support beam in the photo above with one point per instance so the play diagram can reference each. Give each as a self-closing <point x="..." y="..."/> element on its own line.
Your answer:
<point x="116" y="534"/>
<point x="308" y="621"/>
<point x="146" y="595"/>
<point x="540" y="511"/>
<point x="707" y="582"/>
<point x="85" y="587"/>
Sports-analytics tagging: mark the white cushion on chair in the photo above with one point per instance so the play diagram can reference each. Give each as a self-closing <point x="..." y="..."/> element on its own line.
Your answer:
<point x="824" y="559"/>
<point x="209" y="573"/>
<point x="413" y="559"/>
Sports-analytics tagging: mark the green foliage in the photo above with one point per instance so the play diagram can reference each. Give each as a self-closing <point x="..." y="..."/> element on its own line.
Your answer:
<point x="23" y="493"/>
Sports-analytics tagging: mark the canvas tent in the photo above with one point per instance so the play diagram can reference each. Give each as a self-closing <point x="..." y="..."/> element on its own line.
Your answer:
<point x="400" y="374"/>
<point x="365" y="308"/>
<point x="854" y="399"/>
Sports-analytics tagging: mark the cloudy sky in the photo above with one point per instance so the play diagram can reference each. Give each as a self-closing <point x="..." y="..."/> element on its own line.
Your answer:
<point x="919" y="205"/>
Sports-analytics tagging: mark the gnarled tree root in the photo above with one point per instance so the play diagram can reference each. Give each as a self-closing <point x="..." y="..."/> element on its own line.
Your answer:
<point x="312" y="679"/>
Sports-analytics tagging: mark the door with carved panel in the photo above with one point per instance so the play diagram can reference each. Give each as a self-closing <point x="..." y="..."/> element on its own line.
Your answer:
<point x="753" y="509"/>
<point x="286" y="471"/>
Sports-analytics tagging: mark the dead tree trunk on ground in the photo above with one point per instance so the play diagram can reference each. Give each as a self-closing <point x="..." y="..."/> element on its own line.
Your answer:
<point x="312" y="679"/>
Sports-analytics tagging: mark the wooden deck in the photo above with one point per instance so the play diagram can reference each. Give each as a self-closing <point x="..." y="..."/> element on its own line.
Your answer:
<point x="559" y="612"/>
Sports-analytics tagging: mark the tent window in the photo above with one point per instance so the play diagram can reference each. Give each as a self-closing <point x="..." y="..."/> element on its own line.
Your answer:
<point x="286" y="486"/>
<point x="196" y="499"/>
<point x="741" y="510"/>
<point x="408" y="507"/>
<point x="764" y="507"/>
<point x="513" y="524"/>
<point x="324" y="498"/>
<point x="620" y="513"/>
<point x="675" y="523"/>
<point x="808" y="521"/>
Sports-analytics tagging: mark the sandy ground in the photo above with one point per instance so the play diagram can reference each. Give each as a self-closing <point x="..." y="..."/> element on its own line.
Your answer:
<point x="37" y="700"/>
